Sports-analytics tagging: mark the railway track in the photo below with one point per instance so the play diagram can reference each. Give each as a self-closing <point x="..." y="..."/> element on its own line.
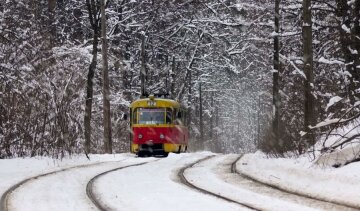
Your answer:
<point x="4" y="201"/>
<point x="339" y="206"/>
<point x="185" y="181"/>
<point x="90" y="186"/>
<point x="228" y="166"/>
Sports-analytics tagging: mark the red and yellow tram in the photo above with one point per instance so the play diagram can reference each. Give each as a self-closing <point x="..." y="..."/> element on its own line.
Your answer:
<point x="158" y="127"/>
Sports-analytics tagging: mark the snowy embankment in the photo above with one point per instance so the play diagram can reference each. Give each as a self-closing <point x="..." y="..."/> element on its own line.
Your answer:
<point x="339" y="185"/>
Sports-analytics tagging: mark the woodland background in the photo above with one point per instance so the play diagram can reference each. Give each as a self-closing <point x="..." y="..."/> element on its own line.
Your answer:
<point x="243" y="79"/>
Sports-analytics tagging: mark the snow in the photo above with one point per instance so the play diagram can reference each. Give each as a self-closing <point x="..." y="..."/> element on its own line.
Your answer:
<point x="69" y="185"/>
<point x="328" y="122"/>
<point x="15" y="170"/>
<point x="332" y="101"/>
<point x="339" y="157"/>
<point x="346" y="29"/>
<point x="301" y="176"/>
<point x="332" y="61"/>
<point x="205" y="174"/>
<point x="156" y="186"/>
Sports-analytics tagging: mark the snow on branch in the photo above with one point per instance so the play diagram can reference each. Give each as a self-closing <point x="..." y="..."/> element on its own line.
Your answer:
<point x="295" y="67"/>
<point x="328" y="122"/>
<point x="326" y="61"/>
<point x="333" y="101"/>
<point x="221" y="22"/>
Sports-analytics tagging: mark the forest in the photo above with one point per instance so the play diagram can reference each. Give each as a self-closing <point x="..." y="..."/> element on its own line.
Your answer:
<point x="270" y="75"/>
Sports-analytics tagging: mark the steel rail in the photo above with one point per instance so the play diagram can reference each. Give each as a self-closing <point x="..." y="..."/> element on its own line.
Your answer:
<point x="4" y="201"/>
<point x="234" y="170"/>
<point x="90" y="185"/>
<point x="185" y="181"/>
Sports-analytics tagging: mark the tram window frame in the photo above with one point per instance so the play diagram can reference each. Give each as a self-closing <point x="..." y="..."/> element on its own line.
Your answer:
<point x="167" y="112"/>
<point x="136" y="115"/>
<point x="176" y="122"/>
<point x="179" y="121"/>
<point x="184" y="117"/>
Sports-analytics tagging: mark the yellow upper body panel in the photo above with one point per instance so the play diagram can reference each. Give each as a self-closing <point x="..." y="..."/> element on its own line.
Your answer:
<point x="155" y="102"/>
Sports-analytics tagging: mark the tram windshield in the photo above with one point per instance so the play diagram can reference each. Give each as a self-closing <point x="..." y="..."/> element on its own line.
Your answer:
<point x="151" y="116"/>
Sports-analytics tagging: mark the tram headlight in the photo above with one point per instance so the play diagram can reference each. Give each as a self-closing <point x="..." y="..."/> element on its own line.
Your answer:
<point x="162" y="136"/>
<point x="140" y="136"/>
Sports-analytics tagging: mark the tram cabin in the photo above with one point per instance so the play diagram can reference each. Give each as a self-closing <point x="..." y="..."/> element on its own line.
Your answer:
<point x="158" y="127"/>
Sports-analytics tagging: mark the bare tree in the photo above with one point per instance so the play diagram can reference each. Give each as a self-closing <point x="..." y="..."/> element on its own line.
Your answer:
<point x="106" y="91"/>
<point x="93" y="9"/>
<point x="201" y="122"/>
<point x="276" y="95"/>
<point x="142" y="69"/>
<point x="309" y="114"/>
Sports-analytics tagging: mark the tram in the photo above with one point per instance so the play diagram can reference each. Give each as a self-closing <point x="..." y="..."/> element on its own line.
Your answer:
<point x="158" y="127"/>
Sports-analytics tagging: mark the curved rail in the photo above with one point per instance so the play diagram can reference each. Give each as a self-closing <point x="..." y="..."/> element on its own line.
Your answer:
<point x="89" y="187"/>
<point x="5" y="197"/>
<point x="202" y="190"/>
<point x="233" y="170"/>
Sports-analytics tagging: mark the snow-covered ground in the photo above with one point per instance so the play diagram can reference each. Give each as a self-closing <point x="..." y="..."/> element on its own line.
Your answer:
<point x="340" y="185"/>
<point x="15" y="170"/>
<point x="156" y="186"/>
<point x="242" y="190"/>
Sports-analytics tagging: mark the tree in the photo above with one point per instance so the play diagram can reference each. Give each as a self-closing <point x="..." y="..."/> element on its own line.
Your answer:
<point x="276" y="94"/>
<point x="309" y="100"/>
<point x="106" y="91"/>
<point x="93" y="9"/>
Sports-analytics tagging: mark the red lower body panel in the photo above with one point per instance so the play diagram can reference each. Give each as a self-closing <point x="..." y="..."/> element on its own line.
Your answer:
<point x="157" y="135"/>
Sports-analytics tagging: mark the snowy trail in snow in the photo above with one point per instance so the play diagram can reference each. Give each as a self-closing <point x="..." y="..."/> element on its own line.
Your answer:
<point x="61" y="190"/>
<point x="217" y="172"/>
<point x="206" y="173"/>
<point x="191" y="184"/>
<point x="62" y="185"/>
<point x="90" y="186"/>
<point x="265" y="189"/>
<point x="340" y="190"/>
<point x="4" y="202"/>
<point x="156" y="186"/>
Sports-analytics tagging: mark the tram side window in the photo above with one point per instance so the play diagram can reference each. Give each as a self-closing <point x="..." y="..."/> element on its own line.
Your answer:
<point x="179" y="117"/>
<point x="184" y="117"/>
<point x="169" y="116"/>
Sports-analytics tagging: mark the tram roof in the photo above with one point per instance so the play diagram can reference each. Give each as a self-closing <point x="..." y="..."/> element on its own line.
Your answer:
<point x="159" y="102"/>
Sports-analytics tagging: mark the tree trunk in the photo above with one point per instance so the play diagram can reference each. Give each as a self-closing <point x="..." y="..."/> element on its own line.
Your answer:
<point x="51" y="5"/>
<point x="309" y="118"/>
<point x="276" y="95"/>
<point x="172" y="78"/>
<point x="216" y="120"/>
<point x="142" y="70"/>
<point x="89" y="86"/>
<point x="189" y="102"/>
<point x="89" y="95"/>
<point x="356" y="42"/>
<point x="212" y="116"/>
<point x="106" y="91"/>
<point x="201" y="117"/>
<point x="349" y="40"/>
